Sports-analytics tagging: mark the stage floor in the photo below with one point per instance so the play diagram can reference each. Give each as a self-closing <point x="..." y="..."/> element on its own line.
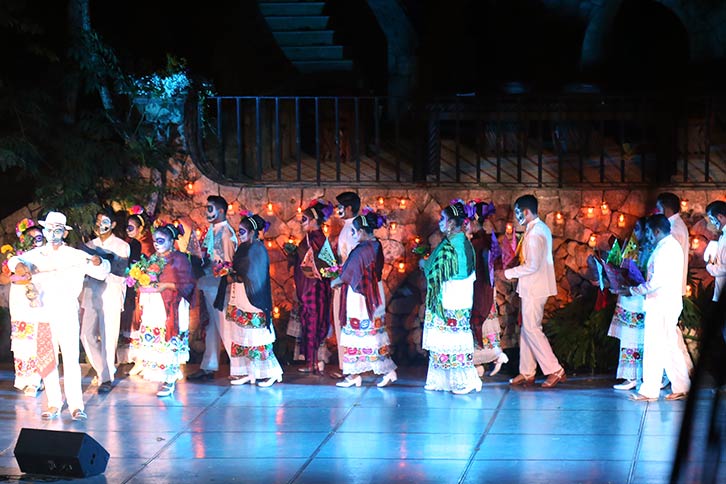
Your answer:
<point x="307" y="430"/>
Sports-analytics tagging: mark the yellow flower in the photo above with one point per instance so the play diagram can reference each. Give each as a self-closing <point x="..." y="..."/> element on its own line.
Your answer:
<point x="135" y="272"/>
<point x="144" y="279"/>
<point x="6" y="248"/>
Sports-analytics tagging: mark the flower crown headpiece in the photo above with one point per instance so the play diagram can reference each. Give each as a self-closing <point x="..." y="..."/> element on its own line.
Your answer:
<point x="24" y="225"/>
<point x="380" y="218"/>
<point x="326" y="210"/>
<point x="487" y="209"/>
<point x="469" y="211"/>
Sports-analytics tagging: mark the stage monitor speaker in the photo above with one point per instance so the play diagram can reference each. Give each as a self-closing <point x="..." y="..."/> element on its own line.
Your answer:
<point x="57" y="453"/>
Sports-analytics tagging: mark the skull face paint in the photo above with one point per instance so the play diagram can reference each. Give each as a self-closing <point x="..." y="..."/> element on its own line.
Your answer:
<point x="54" y="234"/>
<point x="162" y="242"/>
<point x="519" y="215"/>
<point x="103" y="224"/>
<point x="340" y="210"/>
<point x="214" y="214"/>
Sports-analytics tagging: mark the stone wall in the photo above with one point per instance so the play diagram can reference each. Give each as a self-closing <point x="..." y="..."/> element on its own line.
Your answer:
<point x="415" y="212"/>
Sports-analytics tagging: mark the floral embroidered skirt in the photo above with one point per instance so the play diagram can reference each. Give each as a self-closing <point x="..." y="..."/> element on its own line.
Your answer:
<point x="161" y="359"/>
<point x="250" y="342"/>
<point x="25" y="356"/>
<point x="490" y="346"/>
<point x="627" y="325"/>
<point x="366" y="346"/>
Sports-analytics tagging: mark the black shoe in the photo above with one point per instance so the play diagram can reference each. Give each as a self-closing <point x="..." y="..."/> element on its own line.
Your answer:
<point x="201" y="375"/>
<point x="105" y="387"/>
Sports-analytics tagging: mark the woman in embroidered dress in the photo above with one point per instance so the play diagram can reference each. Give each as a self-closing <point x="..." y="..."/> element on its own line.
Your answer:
<point x="249" y="309"/>
<point x="628" y="319"/>
<point x="484" y="312"/>
<point x="450" y="284"/>
<point x="163" y="310"/>
<point x="25" y="315"/>
<point x="313" y="292"/>
<point x="363" y="335"/>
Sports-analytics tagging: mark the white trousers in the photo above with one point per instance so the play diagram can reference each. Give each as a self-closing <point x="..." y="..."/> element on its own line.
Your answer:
<point x="534" y="347"/>
<point x="661" y="352"/>
<point x="65" y="330"/>
<point x="100" y="330"/>
<point x="215" y="329"/>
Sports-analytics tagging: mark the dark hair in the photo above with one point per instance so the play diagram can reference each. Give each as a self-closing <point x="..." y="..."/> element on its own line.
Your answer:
<point x="456" y="212"/>
<point x="139" y="220"/>
<point x="107" y="212"/>
<point x="527" y="201"/>
<point x="671" y="201"/>
<point x="254" y="223"/>
<point x="169" y="229"/>
<point x="716" y="208"/>
<point x="369" y="222"/>
<point x="218" y="202"/>
<point x="659" y="222"/>
<point x="349" y="199"/>
<point x="321" y="211"/>
<point x="484" y="210"/>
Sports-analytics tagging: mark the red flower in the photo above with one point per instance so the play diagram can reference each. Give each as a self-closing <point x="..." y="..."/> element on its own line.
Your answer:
<point x="451" y="322"/>
<point x="156" y="331"/>
<point x="154" y="268"/>
<point x="354" y="323"/>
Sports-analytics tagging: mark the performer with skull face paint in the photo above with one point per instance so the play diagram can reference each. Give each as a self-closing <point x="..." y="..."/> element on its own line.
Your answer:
<point x="220" y="244"/>
<point x="103" y="301"/>
<point x="59" y="271"/>
<point x="536" y="274"/>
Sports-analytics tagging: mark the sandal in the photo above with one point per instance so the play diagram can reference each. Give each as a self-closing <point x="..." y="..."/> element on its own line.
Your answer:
<point x="50" y="413"/>
<point x="637" y="397"/>
<point x="79" y="414"/>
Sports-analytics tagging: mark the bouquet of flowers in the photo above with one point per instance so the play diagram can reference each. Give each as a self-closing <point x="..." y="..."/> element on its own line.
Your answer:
<point x="7" y="251"/>
<point x="222" y="268"/>
<point x="145" y="272"/>
<point x="330" y="272"/>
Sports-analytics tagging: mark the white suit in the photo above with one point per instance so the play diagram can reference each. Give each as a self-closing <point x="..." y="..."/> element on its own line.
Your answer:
<point x="718" y="268"/>
<point x="60" y="273"/>
<point x="346" y="244"/>
<point x="679" y="231"/>
<point x="537" y="283"/>
<point x="663" y="305"/>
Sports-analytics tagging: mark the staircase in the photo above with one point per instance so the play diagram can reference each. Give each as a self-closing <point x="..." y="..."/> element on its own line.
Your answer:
<point x="301" y="31"/>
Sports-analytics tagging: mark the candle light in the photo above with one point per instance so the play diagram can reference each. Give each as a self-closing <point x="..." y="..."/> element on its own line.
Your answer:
<point x="417" y="240"/>
<point x="189" y="187"/>
<point x="198" y="233"/>
<point x="621" y="220"/>
<point x="402" y="203"/>
<point x="269" y="243"/>
<point x="509" y="229"/>
<point x="695" y="243"/>
<point x="230" y="207"/>
<point x="689" y="290"/>
<point x="590" y="212"/>
<point x="592" y="242"/>
<point x="401" y="267"/>
<point x="684" y="205"/>
<point x="559" y="219"/>
<point x="393" y="226"/>
<point x="325" y="229"/>
<point x="276" y="312"/>
<point x="270" y="208"/>
<point x="299" y="209"/>
<point x="380" y="201"/>
<point x="605" y="208"/>
<point x="291" y="240"/>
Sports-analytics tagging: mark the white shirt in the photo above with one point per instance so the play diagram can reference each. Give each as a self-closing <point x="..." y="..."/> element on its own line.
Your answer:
<point x="718" y="268"/>
<point x="679" y="231"/>
<point x="662" y="289"/>
<point x="346" y="243"/>
<point x="61" y="272"/>
<point x="537" y="273"/>
<point x="121" y="251"/>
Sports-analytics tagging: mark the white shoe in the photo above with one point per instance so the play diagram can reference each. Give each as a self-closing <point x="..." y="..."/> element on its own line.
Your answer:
<point x="389" y="377"/>
<point x="626" y="385"/>
<point x="137" y="368"/>
<point x="270" y="381"/>
<point x="349" y="382"/>
<point x="501" y="359"/>
<point x="243" y="380"/>
<point x="165" y="389"/>
<point x="476" y="386"/>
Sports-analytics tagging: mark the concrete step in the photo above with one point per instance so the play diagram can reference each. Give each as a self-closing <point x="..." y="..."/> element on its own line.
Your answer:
<point x="289" y="9"/>
<point x="314" y="52"/>
<point x="278" y="24"/>
<point x="311" y="66"/>
<point x="298" y="38"/>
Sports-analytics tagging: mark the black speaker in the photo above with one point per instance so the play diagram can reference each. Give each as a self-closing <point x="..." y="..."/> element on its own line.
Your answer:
<point x="56" y="453"/>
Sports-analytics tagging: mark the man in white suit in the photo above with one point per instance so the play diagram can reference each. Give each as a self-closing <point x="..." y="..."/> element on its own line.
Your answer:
<point x="536" y="274"/>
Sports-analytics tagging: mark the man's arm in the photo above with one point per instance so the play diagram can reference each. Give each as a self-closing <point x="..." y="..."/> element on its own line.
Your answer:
<point x="534" y="254"/>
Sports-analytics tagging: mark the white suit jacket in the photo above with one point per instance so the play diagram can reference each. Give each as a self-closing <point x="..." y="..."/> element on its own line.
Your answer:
<point x="662" y="289"/>
<point x="537" y="273"/>
<point x="679" y="231"/>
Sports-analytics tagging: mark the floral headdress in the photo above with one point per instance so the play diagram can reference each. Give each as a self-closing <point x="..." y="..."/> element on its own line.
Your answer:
<point x="136" y="210"/>
<point x="255" y="222"/>
<point x="22" y="226"/>
<point x="469" y="211"/>
<point x="320" y="207"/>
<point x="380" y="219"/>
<point x="487" y="209"/>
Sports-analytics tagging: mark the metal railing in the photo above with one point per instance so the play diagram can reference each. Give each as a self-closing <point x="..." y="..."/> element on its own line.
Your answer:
<point x="545" y="142"/>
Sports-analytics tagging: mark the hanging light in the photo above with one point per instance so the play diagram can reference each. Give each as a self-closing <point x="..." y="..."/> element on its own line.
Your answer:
<point x="270" y="208"/>
<point x="689" y="291"/>
<point x="508" y="229"/>
<point x="269" y="243"/>
<point x="291" y="240"/>
<point x="559" y="219"/>
<point x="402" y="203"/>
<point x="684" y="205"/>
<point x="621" y="220"/>
<point x="592" y="241"/>
<point x="604" y="208"/>
<point x="590" y="211"/>
<point x="198" y="233"/>
<point x="401" y="267"/>
<point x="325" y="229"/>
<point x="393" y="226"/>
<point x="276" y="312"/>
<point x="189" y="187"/>
<point x="381" y="201"/>
<point x="695" y="243"/>
<point x="417" y="240"/>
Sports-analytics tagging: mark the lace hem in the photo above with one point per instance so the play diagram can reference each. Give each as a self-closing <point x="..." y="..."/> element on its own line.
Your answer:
<point x="447" y="380"/>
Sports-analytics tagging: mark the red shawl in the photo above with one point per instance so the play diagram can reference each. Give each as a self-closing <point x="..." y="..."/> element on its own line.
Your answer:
<point x="361" y="272"/>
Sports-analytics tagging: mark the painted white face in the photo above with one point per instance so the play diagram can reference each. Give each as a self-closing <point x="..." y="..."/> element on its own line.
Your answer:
<point x="103" y="224"/>
<point x="650" y="235"/>
<point x="132" y="229"/>
<point x="54" y="234"/>
<point x="244" y="234"/>
<point x="356" y="234"/>
<point x="658" y="208"/>
<point x="36" y="236"/>
<point x="162" y="242"/>
<point x="519" y="215"/>
<point x="716" y="223"/>
<point x="214" y="214"/>
<point x="443" y="222"/>
<point x="340" y="211"/>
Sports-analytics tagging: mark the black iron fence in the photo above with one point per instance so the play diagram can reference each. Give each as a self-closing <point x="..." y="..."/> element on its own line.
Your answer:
<point x="546" y="142"/>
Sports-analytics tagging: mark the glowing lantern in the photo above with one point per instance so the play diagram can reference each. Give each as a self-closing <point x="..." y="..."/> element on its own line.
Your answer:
<point x="621" y="220"/>
<point x="605" y="208"/>
<point x="401" y="267"/>
<point x="592" y="242"/>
